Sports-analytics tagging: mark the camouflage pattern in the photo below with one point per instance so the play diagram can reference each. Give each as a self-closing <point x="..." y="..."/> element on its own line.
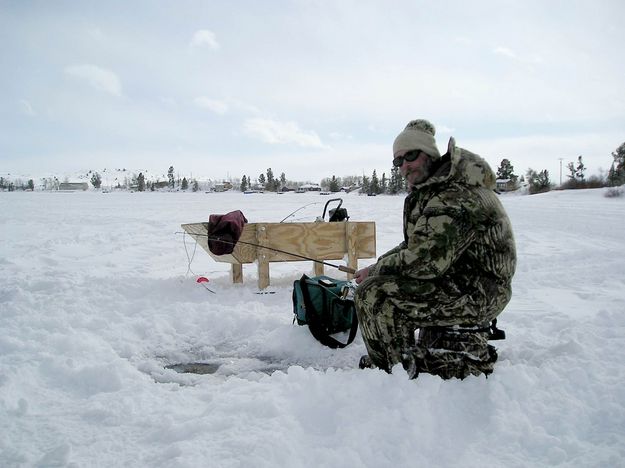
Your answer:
<point x="453" y="271"/>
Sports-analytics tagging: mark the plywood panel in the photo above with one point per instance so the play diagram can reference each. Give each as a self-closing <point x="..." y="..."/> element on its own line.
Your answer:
<point x="321" y="241"/>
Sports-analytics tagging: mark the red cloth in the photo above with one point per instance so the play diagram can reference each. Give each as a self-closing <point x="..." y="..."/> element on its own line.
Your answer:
<point x="224" y="231"/>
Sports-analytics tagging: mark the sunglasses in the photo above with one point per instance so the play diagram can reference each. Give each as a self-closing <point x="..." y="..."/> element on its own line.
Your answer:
<point x="409" y="156"/>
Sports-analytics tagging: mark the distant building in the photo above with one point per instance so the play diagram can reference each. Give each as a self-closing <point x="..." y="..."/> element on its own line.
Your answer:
<point x="223" y="187"/>
<point x="506" y="185"/>
<point x="309" y="188"/>
<point x="73" y="186"/>
<point x="160" y="184"/>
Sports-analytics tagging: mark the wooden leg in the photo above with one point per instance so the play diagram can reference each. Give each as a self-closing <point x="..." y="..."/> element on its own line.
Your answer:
<point x="237" y="273"/>
<point x="263" y="274"/>
<point x="318" y="268"/>
<point x="262" y="257"/>
<point x="352" y="256"/>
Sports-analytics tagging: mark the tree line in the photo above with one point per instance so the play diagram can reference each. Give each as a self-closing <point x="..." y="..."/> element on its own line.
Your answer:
<point x="536" y="181"/>
<point x="18" y="184"/>
<point x="370" y="184"/>
<point x="539" y="181"/>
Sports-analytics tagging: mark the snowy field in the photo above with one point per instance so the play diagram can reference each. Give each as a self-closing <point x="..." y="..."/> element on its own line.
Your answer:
<point x="97" y="296"/>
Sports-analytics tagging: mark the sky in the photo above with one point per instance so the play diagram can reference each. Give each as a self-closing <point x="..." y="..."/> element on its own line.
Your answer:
<point x="310" y="88"/>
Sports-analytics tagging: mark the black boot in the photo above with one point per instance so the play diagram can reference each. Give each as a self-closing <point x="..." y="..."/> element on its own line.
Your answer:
<point x="409" y="363"/>
<point x="366" y="362"/>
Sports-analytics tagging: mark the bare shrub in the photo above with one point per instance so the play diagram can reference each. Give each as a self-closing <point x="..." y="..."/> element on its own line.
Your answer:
<point x="614" y="192"/>
<point x="591" y="182"/>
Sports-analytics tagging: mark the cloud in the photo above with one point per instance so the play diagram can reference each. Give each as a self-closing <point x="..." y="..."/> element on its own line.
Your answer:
<point x="244" y="107"/>
<point x="99" y="78"/>
<point x="204" y="38"/>
<point x="167" y="101"/>
<point x="275" y="132"/>
<point x="444" y="129"/>
<point x="504" y="51"/>
<point x="97" y="34"/>
<point x="218" y="107"/>
<point x="464" y="40"/>
<point x="510" y="54"/>
<point x="26" y="108"/>
<point x="340" y="136"/>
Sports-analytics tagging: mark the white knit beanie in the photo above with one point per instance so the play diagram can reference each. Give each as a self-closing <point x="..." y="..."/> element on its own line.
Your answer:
<point x="418" y="135"/>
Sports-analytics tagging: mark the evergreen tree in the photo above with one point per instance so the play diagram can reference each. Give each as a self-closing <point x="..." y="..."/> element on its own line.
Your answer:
<point x="580" y="169"/>
<point x="365" y="184"/>
<point x="538" y="181"/>
<point x="140" y="182"/>
<point x="96" y="180"/>
<point x="170" y="176"/>
<point x="185" y="184"/>
<point x="396" y="183"/>
<point x="612" y="176"/>
<point x="31" y="184"/>
<point x="244" y="184"/>
<point x="261" y="180"/>
<point x="282" y="181"/>
<point x="506" y="170"/>
<point x="374" y="185"/>
<point x="576" y="174"/>
<point x="334" y="185"/>
<point x="270" y="183"/>
<point x="618" y="166"/>
<point x="196" y="186"/>
<point x="571" y="167"/>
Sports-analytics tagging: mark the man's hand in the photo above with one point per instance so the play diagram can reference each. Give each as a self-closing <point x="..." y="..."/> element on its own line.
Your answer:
<point x="361" y="275"/>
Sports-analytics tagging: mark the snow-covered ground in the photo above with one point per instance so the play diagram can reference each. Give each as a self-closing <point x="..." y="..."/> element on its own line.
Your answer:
<point x="97" y="296"/>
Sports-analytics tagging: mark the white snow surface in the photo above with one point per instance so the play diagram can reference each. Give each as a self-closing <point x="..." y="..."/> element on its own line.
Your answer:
<point x="97" y="296"/>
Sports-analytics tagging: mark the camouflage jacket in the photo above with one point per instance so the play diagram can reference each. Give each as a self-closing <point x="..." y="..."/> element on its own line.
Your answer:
<point x="454" y="226"/>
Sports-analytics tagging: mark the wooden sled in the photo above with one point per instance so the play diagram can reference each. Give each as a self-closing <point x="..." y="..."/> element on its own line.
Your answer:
<point x="319" y="241"/>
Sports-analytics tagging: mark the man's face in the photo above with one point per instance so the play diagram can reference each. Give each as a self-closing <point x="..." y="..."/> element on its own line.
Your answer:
<point x="416" y="171"/>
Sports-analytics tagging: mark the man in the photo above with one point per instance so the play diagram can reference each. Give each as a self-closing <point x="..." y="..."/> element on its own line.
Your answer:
<point x="450" y="277"/>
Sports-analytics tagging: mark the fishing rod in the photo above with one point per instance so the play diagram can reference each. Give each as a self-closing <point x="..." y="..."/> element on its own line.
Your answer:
<point x="303" y="257"/>
<point x="299" y="209"/>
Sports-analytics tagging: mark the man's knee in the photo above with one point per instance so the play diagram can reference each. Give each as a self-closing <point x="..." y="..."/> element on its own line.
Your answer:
<point x="365" y="294"/>
<point x="376" y="289"/>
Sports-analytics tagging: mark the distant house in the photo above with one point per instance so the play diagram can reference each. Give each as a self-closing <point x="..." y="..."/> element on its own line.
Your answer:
<point x="506" y="185"/>
<point x="223" y="187"/>
<point x="73" y="186"/>
<point x="309" y="188"/>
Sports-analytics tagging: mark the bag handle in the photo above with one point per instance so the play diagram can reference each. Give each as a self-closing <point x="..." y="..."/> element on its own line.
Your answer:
<point x="315" y="327"/>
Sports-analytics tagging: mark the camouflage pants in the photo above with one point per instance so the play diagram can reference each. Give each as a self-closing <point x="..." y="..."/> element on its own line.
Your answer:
<point x="452" y="339"/>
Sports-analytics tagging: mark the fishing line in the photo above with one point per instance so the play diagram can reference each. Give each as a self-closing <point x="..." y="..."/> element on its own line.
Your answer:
<point x="300" y="208"/>
<point x="186" y="251"/>
<point x="299" y="219"/>
<point x="190" y="260"/>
